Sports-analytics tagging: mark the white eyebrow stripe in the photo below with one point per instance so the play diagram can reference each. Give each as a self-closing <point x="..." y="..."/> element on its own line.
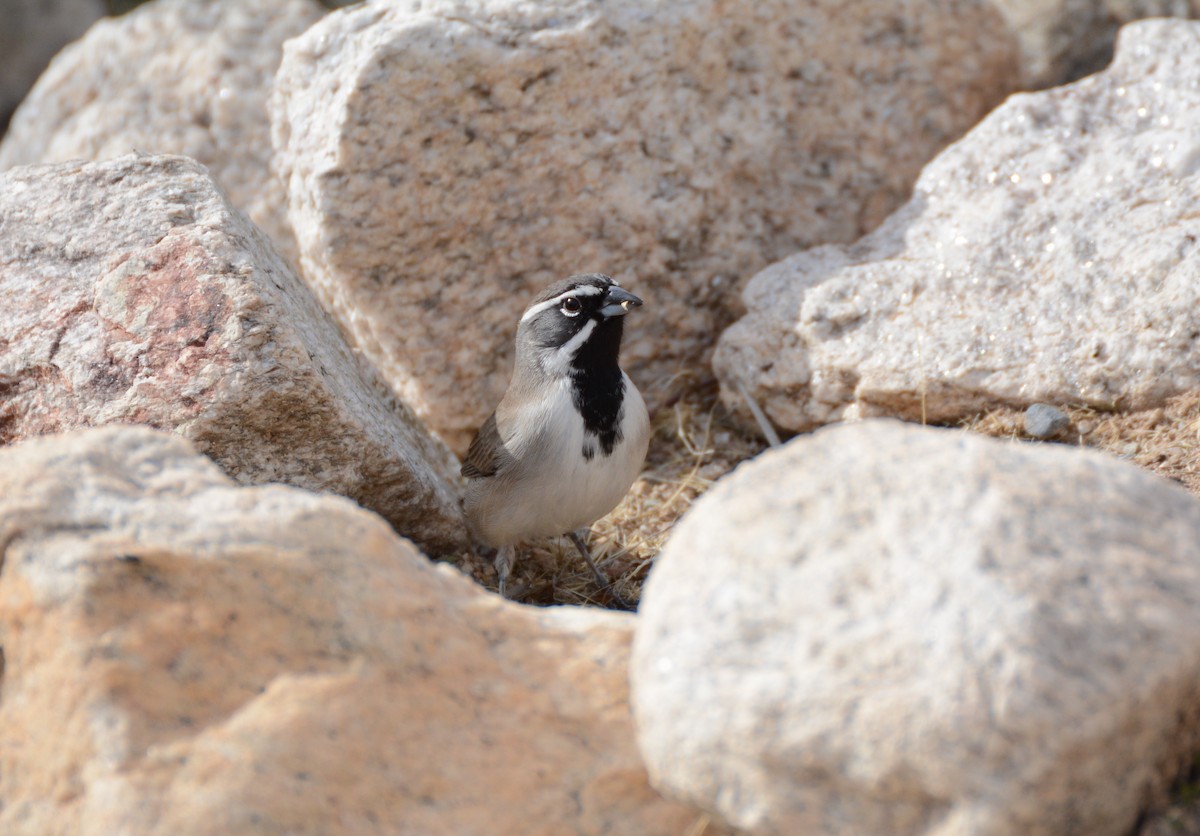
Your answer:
<point x="583" y="290"/>
<point x="539" y="307"/>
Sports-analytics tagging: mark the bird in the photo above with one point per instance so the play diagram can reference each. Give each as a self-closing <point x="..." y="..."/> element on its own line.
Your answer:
<point x="570" y="435"/>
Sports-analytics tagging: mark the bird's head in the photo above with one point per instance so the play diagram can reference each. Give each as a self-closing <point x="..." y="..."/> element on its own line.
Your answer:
<point x="575" y="324"/>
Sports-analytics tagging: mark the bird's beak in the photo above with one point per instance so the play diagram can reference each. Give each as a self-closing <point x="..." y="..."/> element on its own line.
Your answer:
<point x="618" y="302"/>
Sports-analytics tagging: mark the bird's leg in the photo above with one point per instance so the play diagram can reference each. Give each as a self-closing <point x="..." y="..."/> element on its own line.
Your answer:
<point x="505" y="557"/>
<point x="577" y="539"/>
<point x="601" y="581"/>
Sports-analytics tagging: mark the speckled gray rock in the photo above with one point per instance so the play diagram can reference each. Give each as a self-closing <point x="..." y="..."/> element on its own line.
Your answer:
<point x="447" y="159"/>
<point x="32" y="31"/>
<point x="884" y="628"/>
<point x="1043" y="420"/>
<point x="135" y="293"/>
<point x="1062" y="40"/>
<point x="184" y="656"/>
<point x="1050" y="255"/>
<point x="171" y="77"/>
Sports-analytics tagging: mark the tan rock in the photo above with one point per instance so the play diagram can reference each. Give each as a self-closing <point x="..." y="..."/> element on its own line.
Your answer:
<point x="1062" y="40"/>
<point x="883" y="628"/>
<point x="184" y="656"/>
<point x="445" y="160"/>
<point x="134" y="293"/>
<point x="1050" y="255"/>
<point x="33" y="31"/>
<point x="171" y="77"/>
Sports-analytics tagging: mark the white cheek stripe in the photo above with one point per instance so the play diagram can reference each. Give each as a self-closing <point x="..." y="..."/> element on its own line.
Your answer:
<point x="583" y="290"/>
<point x="558" y="361"/>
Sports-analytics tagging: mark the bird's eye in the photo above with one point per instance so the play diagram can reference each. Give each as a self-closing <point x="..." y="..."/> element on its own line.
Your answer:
<point x="571" y="306"/>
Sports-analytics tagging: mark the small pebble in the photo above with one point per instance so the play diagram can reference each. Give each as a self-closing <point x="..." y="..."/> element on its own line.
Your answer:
<point x="1045" y="421"/>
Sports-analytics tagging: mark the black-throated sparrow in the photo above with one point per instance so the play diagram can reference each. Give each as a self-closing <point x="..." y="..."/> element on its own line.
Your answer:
<point x="569" y="436"/>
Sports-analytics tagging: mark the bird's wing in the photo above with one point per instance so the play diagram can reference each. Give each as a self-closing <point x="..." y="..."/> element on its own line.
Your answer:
<point x="483" y="457"/>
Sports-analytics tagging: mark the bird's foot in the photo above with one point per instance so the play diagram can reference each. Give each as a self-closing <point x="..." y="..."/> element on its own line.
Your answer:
<point x="601" y="580"/>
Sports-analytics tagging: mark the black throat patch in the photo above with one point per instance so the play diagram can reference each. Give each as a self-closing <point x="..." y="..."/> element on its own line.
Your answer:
<point x="598" y="388"/>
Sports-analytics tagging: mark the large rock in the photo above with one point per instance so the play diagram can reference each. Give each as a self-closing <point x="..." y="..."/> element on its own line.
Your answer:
<point x="172" y="77"/>
<point x="33" y="30"/>
<point x="884" y="628"/>
<point x="134" y="292"/>
<point x="1050" y="255"/>
<point x="445" y="160"/>
<point x="184" y="656"/>
<point x="1062" y="40"/>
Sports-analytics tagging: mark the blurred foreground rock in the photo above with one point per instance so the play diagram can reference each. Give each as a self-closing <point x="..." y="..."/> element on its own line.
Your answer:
<point x="883" y="628"/>
<point x="134" y="293"/>
<point x="31" y="32"/>
<point x="185" y="656"/>
<point x="1050" y="255"/>
<point x="172" y="77"/>
<point x="445" y="161"/>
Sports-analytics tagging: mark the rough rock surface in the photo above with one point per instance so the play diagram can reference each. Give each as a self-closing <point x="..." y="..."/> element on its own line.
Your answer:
<point x="171" y="77"/>
<point x="134" y="293"/>
<point x="1062" y="40"/>
<point x="1050" y="255"/>
<point x="445" y="160"/>
<point x="883" y="628"/>
<point x="32" y="31"/>
<point x="184" y="656"/>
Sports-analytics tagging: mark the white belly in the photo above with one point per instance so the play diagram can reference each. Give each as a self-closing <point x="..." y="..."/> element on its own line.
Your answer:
<point x="552" y="488"/>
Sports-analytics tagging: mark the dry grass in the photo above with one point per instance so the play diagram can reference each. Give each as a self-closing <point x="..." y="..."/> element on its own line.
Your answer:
<point x="693" y="444"/>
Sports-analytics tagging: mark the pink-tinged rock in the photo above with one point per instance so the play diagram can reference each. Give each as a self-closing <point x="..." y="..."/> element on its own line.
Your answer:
<point x="446" y="160"/>
<point x="183" y="656"/>
<point x="135" y="293"/>
<point x="171" y="77"/>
